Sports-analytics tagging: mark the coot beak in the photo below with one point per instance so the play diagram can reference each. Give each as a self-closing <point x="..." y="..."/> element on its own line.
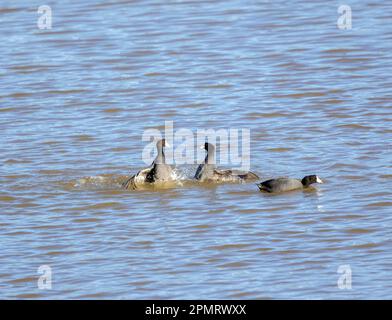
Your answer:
<point x="318" y="180"/>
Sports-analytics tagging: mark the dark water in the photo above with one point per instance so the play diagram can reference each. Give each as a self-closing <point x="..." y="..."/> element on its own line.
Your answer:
<point x="75" y="100"/>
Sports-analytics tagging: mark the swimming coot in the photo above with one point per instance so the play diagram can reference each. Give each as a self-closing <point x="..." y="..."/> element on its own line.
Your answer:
<point x="288" y="184"/>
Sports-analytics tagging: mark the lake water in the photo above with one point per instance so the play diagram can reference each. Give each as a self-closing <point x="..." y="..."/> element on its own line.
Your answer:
<point x="76" y="99"/>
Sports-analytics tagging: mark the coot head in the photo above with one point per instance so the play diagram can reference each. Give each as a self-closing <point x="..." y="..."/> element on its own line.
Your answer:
<point x="308" y="180"/>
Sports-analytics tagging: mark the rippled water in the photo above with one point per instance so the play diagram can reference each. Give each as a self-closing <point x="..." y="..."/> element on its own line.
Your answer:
<point x="74" y="102"/>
